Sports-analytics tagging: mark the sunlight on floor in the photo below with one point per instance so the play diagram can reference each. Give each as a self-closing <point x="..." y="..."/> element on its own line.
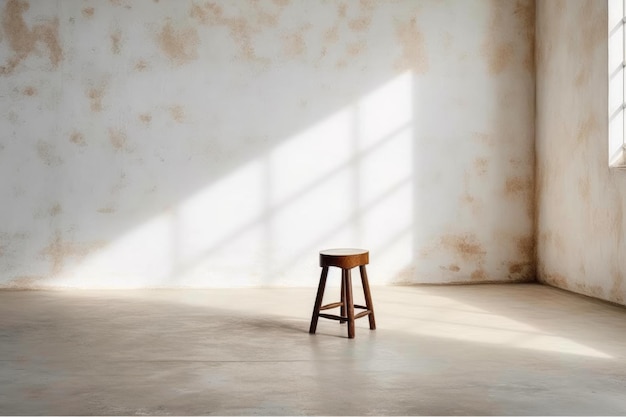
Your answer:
<point x="448" y="318"/>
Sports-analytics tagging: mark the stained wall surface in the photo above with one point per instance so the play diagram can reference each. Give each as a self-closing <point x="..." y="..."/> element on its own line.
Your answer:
<point x="580" y="201"/>
<point x="224" y="143"/>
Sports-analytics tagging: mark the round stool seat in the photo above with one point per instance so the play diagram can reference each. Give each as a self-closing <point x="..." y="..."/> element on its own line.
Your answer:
<point x="345" y="258"/>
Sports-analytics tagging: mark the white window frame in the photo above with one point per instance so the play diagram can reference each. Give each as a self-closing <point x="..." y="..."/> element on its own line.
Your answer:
<point x="617" y="83"/>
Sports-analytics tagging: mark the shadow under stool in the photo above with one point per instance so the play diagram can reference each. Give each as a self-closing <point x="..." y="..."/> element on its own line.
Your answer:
<point x="345" y="259"/>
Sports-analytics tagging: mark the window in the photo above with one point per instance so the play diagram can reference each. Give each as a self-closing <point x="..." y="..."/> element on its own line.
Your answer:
<point x="617" y="83"/>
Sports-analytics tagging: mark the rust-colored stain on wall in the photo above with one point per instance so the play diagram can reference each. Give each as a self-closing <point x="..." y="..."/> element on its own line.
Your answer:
<point x="55" y="210"/>
<point x="178" y="113"/>
<point x="107" y="210"/>
<point x="356" y="48"/>
<point x="584" y="188"/>
<point x="342" y="10"/>
<point x="78" y="138"/>
<point x="484" y="138"/>
<point x="617" y="289"/>
<point x="499" y="52"/>
<point x="481" y="165"/>
<point x="179" y="45"/>
<point x="88" y="12"/>
<point x="360" y="24"/>
<point x="58" y="250"/>
<point x="116" y="42"/>
<point x="588" y="289"/>
<point x="24" y="282"/>
<point x="23" y="41"/>
<point x="466" y="246"/>
<point x="592" y="26"/>
<point x="516" y="267"/>
<point x="141" y="65"/>
<point x="95" y="97"/>
<point x="30" y="91"/>
<point x="556" y="280"/>
<point x="331" y="36"/>
<point x="145" y="118"/>
<point x="517" y="185"/>
<point x="118" y="140"/>
<point x="525" y="12"/>
<point x="479" y="275"/>
<point x="294" y="45"/>
<point x="411" y="40"/>
<point x="47" y="153"/>
<point x="525" y="247"/>
<point x="240" y="29"/>
<point x="587" y="128"/>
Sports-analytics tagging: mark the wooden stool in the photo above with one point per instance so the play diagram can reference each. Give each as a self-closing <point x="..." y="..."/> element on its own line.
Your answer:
<point x="346" y="259"/>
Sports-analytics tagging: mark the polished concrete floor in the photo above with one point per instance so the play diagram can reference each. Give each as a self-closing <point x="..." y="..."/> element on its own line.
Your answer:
<point x="483" y="349"/>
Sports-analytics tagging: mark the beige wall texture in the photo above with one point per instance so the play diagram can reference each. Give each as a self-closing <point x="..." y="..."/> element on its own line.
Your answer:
<point x="580" y="201"/>
<point x="224" y="143"/>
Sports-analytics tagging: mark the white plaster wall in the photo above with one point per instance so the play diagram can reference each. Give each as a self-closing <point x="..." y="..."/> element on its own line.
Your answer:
<point x="580" y="201"/>
<point x="223" y="144"/>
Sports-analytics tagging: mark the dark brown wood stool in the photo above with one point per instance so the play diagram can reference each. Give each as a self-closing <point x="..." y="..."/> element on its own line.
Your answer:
<point x="346" y="259"/>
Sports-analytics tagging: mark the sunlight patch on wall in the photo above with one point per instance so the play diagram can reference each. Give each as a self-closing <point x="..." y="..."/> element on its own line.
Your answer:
<point x="346" y="181"/>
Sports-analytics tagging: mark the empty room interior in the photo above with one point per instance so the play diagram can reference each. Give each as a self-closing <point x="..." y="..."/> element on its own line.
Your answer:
<point x="184" y="183"/>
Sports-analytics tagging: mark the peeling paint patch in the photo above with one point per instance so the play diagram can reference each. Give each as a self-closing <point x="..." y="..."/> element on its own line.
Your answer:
<point x="23" y="41"/>
<point x="180" y="46"/>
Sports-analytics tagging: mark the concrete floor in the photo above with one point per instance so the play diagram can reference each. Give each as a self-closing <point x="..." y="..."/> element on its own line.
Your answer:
<point x="484" y="349"/>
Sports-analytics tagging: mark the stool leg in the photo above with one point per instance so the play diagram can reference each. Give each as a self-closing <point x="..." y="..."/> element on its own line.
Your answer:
<point x="349" y="302"/>
<point x="318" y="300"/>
<point x="368" y="297"/>
<point x="342" y="311"/>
